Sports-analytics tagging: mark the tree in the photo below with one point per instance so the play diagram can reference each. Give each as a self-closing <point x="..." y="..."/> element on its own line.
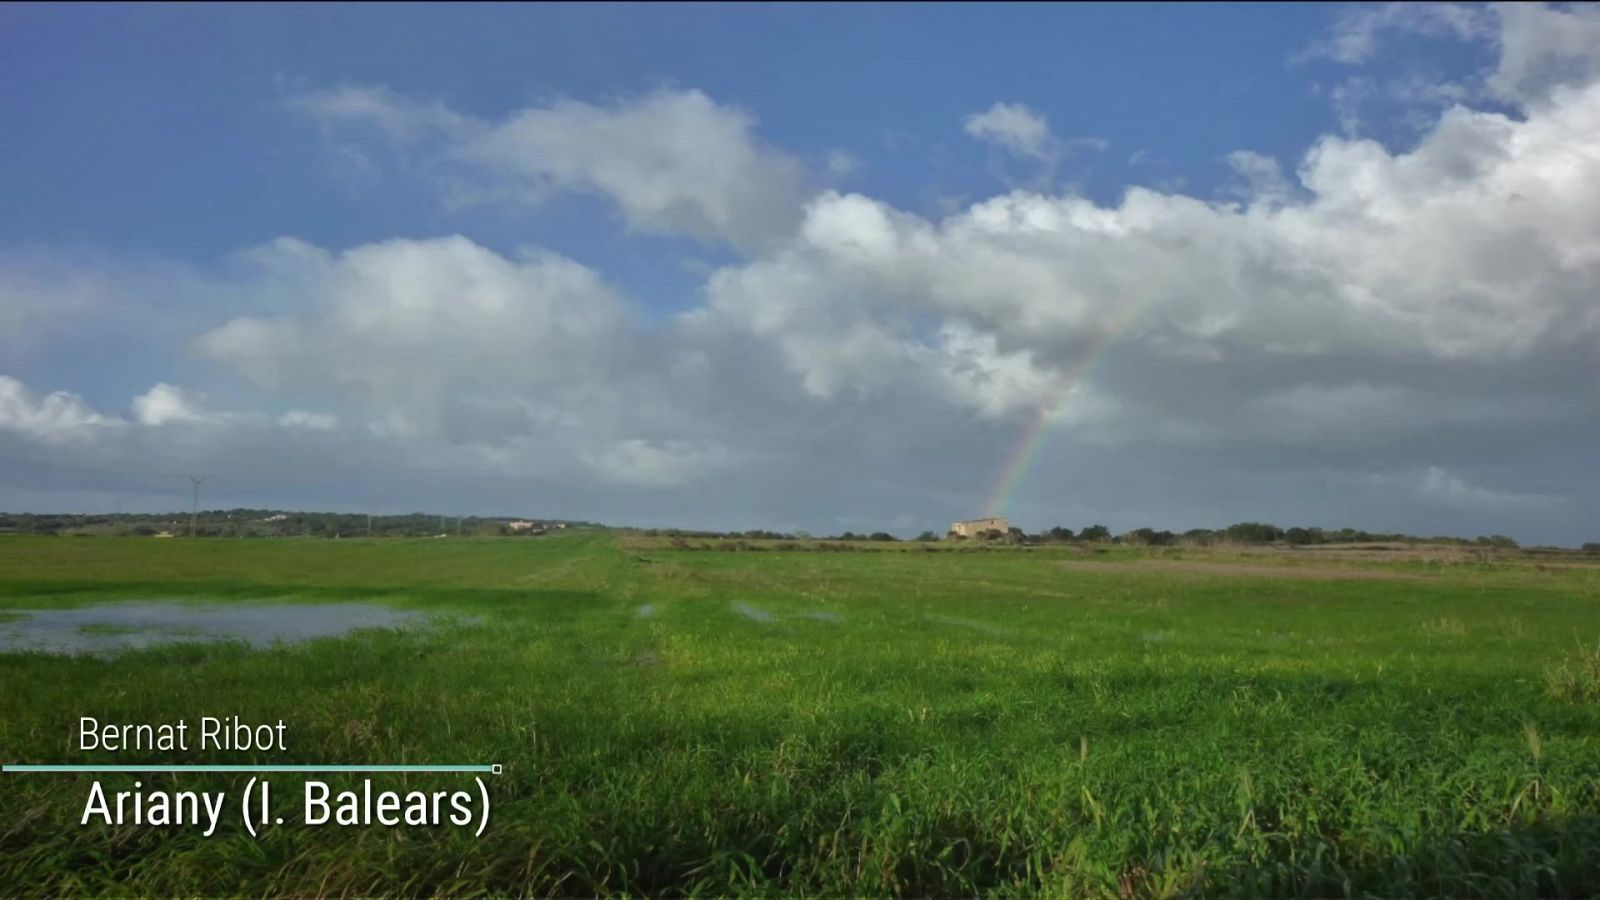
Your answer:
<point x="1095" y="534"/>
<point x="927" y="536"/>
<point x="1015" y="535"/>
<point x="1150" y="536"/>
<point x="1059" y="534"/>
<point x="1498" y="540"/>
<point x="1253" y="533"/>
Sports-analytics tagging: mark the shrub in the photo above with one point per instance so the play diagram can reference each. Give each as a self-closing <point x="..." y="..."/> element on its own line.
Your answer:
<point x="1578" y="676"/>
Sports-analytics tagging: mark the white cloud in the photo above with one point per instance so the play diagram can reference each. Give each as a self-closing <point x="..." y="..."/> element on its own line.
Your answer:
<point x="1369" y="309"/>
<point x="1410" y="103"/>
<point x="674" y="162"/>
<point x="1263" y="178"/>
<point x="165" y="404"/>
<point x="1357" y="33"/>
<point x="841" y="165"/>
<point x="1439" y="486"/>
<point x="408" y="325"/>
<point x="1540" y="49"/>
<point x="296" y="418"/>
<point x="1438" y="271"/>
<point x="996" y="383"/>
<point x="1543" y="48"/>
<point x="56" y="418"/>
<point x="1013" y="127"/>
<point x="397" y="117"/>
<point x="1017" y="131"/>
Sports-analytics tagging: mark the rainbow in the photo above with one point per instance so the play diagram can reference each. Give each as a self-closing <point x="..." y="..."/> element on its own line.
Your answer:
<point x="1037" y="435"/>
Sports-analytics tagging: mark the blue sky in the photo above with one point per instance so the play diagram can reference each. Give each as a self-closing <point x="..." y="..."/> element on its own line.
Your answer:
<point x="833" y="279"/>
<point x="193" y="98"/>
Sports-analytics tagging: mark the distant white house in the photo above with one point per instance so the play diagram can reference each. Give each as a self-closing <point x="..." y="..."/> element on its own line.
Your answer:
<point x="521" y="526"/>
<point x="975" y="527"/>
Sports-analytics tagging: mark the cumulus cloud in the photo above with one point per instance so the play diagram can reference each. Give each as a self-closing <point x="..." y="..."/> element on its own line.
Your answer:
<point x="407" y="326"/>
<point x="1357" y="309"/>
<point x="1458" y="276"/>
<point x="1543" y="49"/>
<point x="56" y="418"/>
<point x="1446" y="287"/>
<point x="673" y="161"/>
<point x="1539" y="50"/>
<point x="165" y="404"/>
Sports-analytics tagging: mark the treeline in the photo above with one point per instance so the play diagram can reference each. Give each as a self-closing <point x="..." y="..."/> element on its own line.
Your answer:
<point x="1239" y="533"/>
<point x="248" y="523"/>
<point x="757" y="534"/>
<point x="1260" y="533"/>
<point x="255" y="523"/>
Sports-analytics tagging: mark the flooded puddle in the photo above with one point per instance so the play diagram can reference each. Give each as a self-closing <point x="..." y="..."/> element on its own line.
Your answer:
<point x="112" y="627"/>
<point x="645" y="611"/>
<point x="822" y="615"/>
<point x="751" y="612"/>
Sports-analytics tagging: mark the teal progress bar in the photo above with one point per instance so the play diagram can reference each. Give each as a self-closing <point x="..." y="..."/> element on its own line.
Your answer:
<point x="10" y="767"/>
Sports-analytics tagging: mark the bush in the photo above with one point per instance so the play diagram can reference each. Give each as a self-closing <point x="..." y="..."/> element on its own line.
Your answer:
<point x="1578" y="677"/>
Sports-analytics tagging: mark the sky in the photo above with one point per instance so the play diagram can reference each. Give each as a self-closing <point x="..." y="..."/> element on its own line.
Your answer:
<point x="819" y="268"/>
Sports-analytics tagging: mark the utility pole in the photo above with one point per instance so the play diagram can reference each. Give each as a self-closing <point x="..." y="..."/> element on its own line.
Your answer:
<point x="458" y="526"/>
<point x="369" y="524"/>
<point x="194" y="510"/>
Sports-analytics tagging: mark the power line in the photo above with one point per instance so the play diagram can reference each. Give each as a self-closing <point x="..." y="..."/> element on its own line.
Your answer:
<point x="194" y="511"/>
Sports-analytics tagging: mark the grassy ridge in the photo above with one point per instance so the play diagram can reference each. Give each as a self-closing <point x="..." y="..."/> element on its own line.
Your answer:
<point x="846" y="723"/>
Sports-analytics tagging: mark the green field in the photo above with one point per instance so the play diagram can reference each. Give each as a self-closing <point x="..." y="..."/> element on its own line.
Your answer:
<point x="845" y="723"/>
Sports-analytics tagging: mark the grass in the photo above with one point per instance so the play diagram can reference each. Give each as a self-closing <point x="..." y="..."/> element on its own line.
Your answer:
<point x="1578" y="677"/>
<point x="700" y="721"/>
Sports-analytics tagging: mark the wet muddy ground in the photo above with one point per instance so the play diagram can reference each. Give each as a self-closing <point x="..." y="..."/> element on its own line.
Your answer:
<point x="114" y="627"/>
